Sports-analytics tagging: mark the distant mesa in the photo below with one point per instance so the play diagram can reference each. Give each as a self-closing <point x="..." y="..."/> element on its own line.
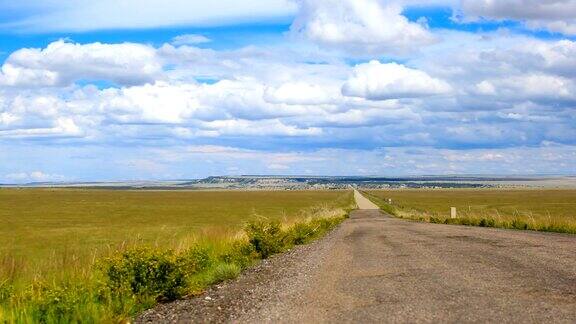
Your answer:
<point x="255" y="182"/>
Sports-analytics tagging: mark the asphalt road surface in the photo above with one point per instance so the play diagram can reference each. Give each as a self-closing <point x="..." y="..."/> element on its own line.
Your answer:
<point x="375" y="268"/>
<point x="363" y="202"/>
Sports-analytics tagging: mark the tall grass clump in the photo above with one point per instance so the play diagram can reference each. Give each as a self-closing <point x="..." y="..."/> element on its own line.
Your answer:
<point x="118" y="286"/>
<point x="510" y="209"/>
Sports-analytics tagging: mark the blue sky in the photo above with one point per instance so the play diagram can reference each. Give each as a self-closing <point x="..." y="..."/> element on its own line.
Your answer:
<point x="184" y="89"/>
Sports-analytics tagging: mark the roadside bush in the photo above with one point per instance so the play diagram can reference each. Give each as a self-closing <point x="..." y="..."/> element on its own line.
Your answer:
<point x="195" y="259"/>
<point x="241" y="253"/>
<point x="466" y="221"/>
<point x="267" y="238"/>
<point x="437" y="220"/>
<point x="487" y="222"/>
<point x="518" y="224"/>
<point x="145" y="272"/>
<point x="557" y="228"/>
<point x="302" y="233"/>
<point x="326" y="224"/>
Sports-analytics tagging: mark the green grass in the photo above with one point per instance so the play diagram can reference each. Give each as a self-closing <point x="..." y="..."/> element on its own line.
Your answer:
<point x="42" y="230"/>
<point x="101" y="256"/>
<point x="552" y="210"/>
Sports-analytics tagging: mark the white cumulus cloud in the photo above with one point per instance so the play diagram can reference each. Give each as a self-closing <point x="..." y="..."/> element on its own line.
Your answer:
<point x="553" y="15"/>
<point x="302" y="93"/>
<point x="361" y="27"/>
<point x="535" y="87"/>
<point x="378" y="81"/>
<point x="498" y="89"/>
<point x="61" y="63"/>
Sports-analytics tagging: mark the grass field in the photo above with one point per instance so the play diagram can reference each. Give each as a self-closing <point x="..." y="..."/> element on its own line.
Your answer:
<point x="41" y="228"/>
<point x="534" y="209"/>
<point x="71" y="254"/>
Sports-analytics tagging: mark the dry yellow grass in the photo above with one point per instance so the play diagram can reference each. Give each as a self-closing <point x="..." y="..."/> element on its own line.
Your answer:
<point x="535" y="209"/>
<point x="44" y="231"/>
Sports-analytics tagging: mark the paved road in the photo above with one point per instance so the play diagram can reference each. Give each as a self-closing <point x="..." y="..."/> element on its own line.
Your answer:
<point x="376" y="268"/>
<point x="363" y="202"/>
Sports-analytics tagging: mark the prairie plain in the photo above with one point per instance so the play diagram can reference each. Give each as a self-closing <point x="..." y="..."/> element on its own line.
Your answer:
<point x="46" y="232"/>
<point x="551" y="210"/>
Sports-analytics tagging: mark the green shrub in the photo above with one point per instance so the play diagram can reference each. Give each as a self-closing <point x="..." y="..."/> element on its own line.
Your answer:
<point x="145" y="272"/>
<point x="466" y="221"/>
<point x="241" y="253"/>
<point x="487" y="222"/>
<point x="518" y="224"/>
<point x="302" y="233"/>
<point x="195" y="259"/>
<point x="267" y="238"/>
<point x="438" y="220"/>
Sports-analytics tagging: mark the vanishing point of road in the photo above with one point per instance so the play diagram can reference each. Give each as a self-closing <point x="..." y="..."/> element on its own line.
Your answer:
<point x="379" y="269"/>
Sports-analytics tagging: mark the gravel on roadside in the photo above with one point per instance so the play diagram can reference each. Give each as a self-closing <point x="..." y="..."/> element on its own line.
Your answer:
<point x="281" y="274"/>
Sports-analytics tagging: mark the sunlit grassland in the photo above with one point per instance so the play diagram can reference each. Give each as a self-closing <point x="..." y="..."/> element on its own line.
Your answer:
<point x="104" y="256"/>
<point x="533" y="209"/>
<point x="43" y="231"/>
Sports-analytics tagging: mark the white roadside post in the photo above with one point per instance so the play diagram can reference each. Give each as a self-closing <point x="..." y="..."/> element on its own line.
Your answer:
<point x="453" y="212"/>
